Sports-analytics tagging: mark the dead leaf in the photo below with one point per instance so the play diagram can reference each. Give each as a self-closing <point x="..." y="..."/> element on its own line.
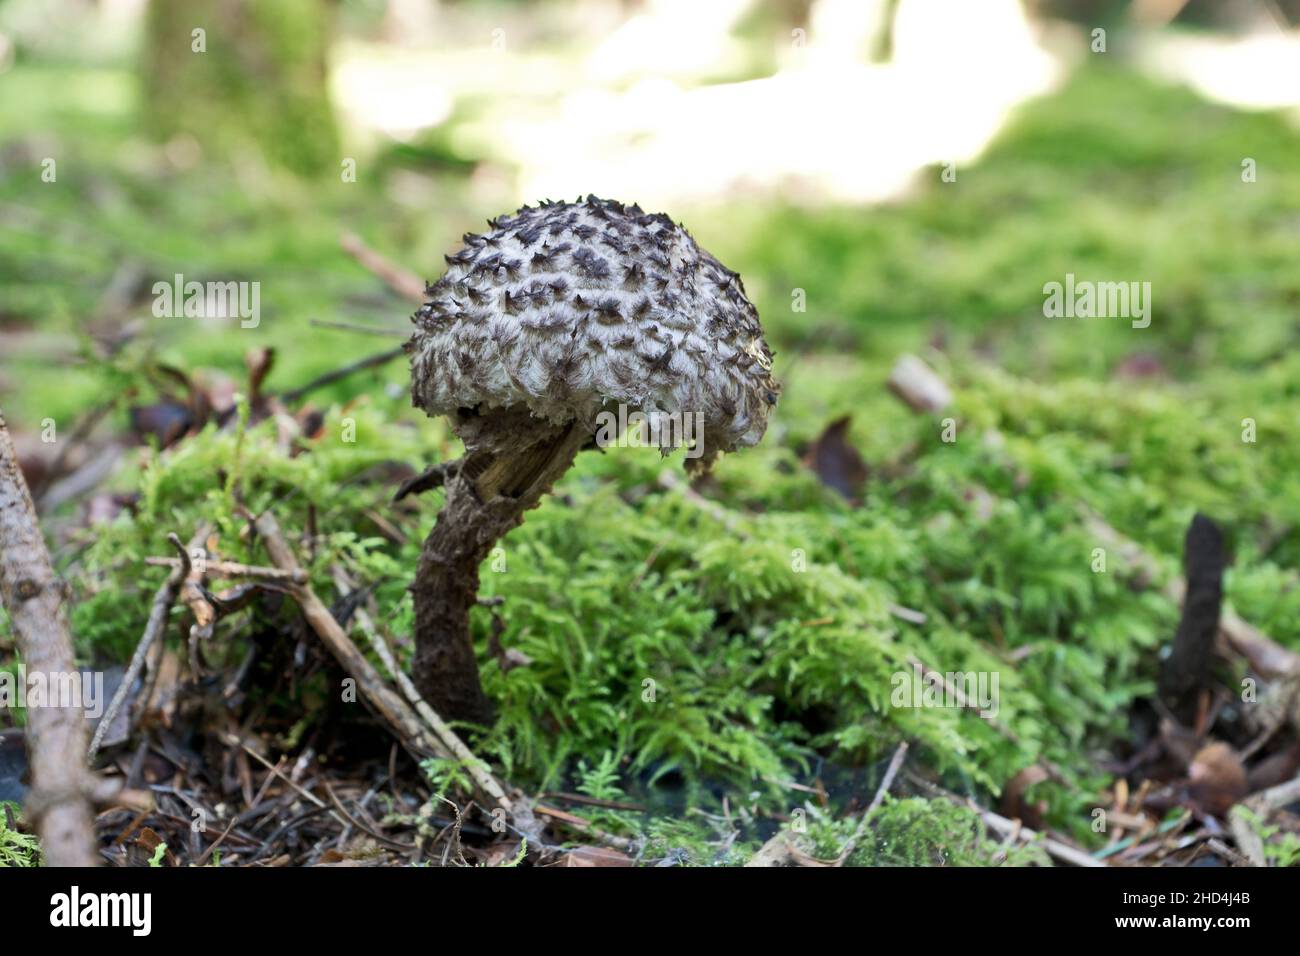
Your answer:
<point x="1015" y="806"/>
<point x="1141" y="365"/>
<point x="1265" y="656"/>
<point x="149" y="841"/>
<point x="836" y="462"/>
<point x="166" y="422"/>
<point x="311" y="422"/>
<point x="259" y="363"/>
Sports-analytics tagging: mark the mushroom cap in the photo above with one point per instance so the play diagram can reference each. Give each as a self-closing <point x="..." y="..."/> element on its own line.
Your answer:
<point x="571" y="309"/>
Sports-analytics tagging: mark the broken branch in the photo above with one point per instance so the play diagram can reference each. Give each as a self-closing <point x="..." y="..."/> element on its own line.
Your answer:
<point x="162" y="605"/>
<point x="405" y="283"/>
<point x="233" y="569"/>
<point x="35" y="598"/>
<point x="451" y="744"/>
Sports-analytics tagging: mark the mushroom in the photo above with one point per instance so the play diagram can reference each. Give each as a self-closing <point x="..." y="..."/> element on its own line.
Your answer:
<point x="560" y="313"/>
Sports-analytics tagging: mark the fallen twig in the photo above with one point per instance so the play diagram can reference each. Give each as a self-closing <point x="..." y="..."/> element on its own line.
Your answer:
<point x="957" y="694"/>
<point x="910" y="615"/>
<point x="595" y="802"/>
<point x="1014" y="828"/>
<point x="194" y="596"/>
<point x="1275" y="798"/>
<point x="162" y="604"/>
<point x="1215" y="845"/>
<point x="405" y="283"/>
<point x="1054" y="848"/>
<point x="329" y="378"/>
<point x="233" y="569"/>
<point x="1249" y="843"/>
<point x="84" y="479"/>
<point x="59" y="800"/>
<point x="451" y="745"/>
<point x="389" y="705"/>
<point x="886" y="782"/>
<point x="79" y="432"/>
<point x="363" y="329"/>
<point x="584" y="826"/>
<point x="918" y="385"/>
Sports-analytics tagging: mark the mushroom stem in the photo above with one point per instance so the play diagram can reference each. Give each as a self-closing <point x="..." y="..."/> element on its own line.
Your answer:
<point x="506" y="471"/>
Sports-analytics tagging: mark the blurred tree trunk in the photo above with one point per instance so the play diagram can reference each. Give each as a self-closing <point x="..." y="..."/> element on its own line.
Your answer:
<point x="242" y="74"/>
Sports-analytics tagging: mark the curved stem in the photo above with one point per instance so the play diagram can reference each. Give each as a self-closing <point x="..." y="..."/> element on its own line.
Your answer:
<point x="487" y="497"/>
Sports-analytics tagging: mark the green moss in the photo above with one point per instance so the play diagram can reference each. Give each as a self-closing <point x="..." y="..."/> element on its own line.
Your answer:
<point x="919" y="832"/>
<point x="16" y="848"/>
<point x="695" y="841"/>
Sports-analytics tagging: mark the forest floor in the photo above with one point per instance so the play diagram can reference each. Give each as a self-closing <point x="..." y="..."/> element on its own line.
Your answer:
<point x="683" y="672"/>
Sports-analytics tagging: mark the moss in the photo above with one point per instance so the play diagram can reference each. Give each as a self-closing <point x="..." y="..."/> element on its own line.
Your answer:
<point x="919" y="832"/>
<point x="16" y="848"/>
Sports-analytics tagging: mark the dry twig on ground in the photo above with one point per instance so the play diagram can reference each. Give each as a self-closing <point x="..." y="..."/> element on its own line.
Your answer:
<point x="34" y="596"/>
<point x="391" y="707"/>
<point x="162" y="605"/>
<point x="402" y="281"/>
<point x="895" y="764"/>
<point x="451" y="744"/>
<point x="233" y="569"/>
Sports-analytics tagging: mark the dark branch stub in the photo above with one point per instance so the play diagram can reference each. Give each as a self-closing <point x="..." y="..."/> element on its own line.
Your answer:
<point x="1186" y="671"/>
